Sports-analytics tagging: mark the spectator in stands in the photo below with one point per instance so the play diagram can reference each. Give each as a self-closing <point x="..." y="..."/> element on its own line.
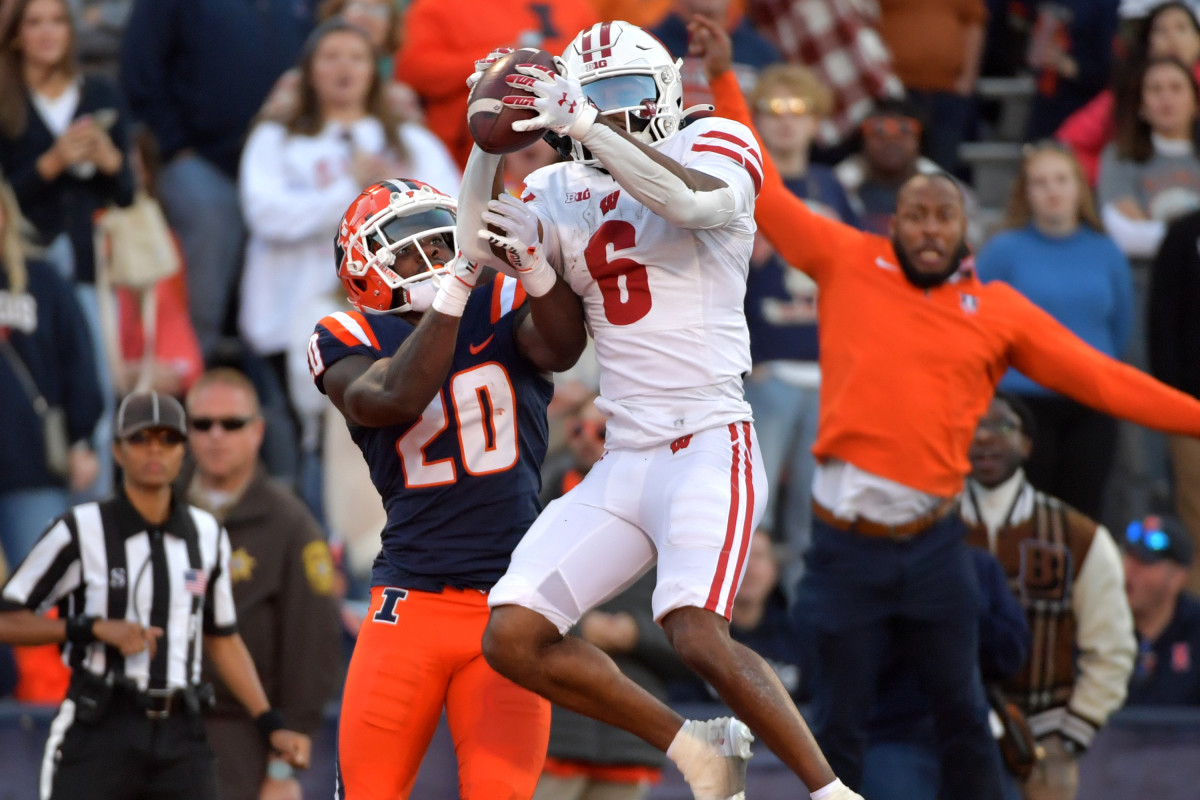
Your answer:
<point x="781" y="307"/>
<point x="1054" y="251"/>
<point x="643" y="13"/>
<point x="587" y="759"/>
<point x="63" y="144"/>
<point x="48" y="385"/>
<point x="282" y="578"/>
<point x="1070" y="53"/>
<point x="751" y="51"/>
<point x="297" y="176"/>
<point x="890" y="154"/>
<point x="196" y="75"/>
<point x="1066" y="570"/>
<point x="1173" y="331"/>
<point x="100" y="26"/>
<point x="1158" y="555"/>
<point x="937" y="47"/>
<point x="1171" y="29"/>
<point x="441" y="43"/>
<point x="1150" y="175"/>
<point x="382" y="21"/>
<point x="901" y="761"/>
<point x="840" y="43"/>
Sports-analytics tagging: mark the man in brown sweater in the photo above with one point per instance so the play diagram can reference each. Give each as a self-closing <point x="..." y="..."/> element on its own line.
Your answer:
<point x="282" y="577"/>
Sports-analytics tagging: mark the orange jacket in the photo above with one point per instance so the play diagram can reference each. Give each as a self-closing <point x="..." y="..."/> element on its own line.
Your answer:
<point x="906" y="374"/>
<point x="443" y="39"/>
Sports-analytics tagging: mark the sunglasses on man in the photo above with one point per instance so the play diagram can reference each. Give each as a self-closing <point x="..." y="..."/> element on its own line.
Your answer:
<point x="205" y="424"/>
<point x="891" y="126"/>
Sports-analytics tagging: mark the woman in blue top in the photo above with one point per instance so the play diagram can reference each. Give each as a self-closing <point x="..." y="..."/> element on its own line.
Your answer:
<point x="1055" y="252"/>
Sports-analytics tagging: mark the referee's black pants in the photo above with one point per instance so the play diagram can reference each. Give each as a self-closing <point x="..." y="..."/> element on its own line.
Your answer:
<point x="127" y="756"/>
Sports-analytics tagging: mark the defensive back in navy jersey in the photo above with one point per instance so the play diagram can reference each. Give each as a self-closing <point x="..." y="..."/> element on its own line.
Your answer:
<point x="459" y="484"/>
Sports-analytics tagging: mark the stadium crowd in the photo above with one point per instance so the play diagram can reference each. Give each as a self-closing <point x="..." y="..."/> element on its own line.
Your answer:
<point x="172" y="179"/>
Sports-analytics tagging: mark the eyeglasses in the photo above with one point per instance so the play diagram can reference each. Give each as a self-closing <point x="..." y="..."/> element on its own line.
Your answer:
<point x="782" y="105"/>
<point x="891" y="126"/>
<point x="168" y="438"/>
<point x="204" y="424"/>
<point x="1148" y="533"/>
<point x="1000" y="427"/>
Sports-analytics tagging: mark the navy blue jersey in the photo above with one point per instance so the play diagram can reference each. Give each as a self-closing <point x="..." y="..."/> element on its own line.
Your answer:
<point x="460" y="484"/>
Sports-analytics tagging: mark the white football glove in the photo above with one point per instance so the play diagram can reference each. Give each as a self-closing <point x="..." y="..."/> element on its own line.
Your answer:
<point x="520" y="240"/>
<point x="560" y="102"/>
<point x="455" y="287"/>
<point x="482" y="65"/>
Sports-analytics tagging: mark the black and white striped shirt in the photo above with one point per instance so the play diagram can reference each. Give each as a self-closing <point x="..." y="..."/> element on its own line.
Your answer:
<point x="105" y="560"/>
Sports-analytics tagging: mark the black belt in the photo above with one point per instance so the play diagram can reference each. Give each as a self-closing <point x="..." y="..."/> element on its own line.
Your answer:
<point x="900" y="533"/>
<point x="161" y="703"/>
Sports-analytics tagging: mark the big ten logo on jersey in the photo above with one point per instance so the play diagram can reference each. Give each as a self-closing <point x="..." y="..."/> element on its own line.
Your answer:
<point x="484" y="407"/>
<point x="389" y="597"/>
<point x="1044" y="575"/>
<point x="577" y="197"/>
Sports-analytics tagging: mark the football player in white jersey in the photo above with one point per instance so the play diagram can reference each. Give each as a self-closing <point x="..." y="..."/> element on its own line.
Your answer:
<point x="651" y="224"/>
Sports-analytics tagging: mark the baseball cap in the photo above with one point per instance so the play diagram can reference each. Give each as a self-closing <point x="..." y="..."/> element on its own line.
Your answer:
<point x="142" y="410"/>
<point x="1155" y="538"/>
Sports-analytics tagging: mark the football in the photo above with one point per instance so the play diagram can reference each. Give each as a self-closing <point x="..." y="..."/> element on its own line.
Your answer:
<point x="489" y="120"/>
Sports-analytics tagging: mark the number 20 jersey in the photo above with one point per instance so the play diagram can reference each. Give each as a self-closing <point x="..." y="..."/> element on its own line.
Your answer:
<point x="663" y="303"/>
<point x="459" y="484"/>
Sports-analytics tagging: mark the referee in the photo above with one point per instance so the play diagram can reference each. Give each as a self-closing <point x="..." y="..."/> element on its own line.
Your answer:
<point x="136" y="578"/>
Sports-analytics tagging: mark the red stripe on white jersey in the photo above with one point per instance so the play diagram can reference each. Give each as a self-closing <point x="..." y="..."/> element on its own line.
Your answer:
<point x="729" y="137"/>
<point x="733" y="155"/>
<point x="737" y="526"/>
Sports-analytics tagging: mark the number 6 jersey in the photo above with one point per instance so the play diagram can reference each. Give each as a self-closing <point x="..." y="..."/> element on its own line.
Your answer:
<point x="663" y="303"/>
<point x="460" y="483"/>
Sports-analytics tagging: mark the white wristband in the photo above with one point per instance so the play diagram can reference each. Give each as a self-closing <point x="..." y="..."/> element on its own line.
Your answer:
<point x="583" y="122"/>
<point x="451" y="298"/>
<point x="539" y="278"/>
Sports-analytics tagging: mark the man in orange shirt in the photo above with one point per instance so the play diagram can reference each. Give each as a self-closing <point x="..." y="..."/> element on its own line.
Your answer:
<point x="912" y="346"/>
<point x="443" y="39"/>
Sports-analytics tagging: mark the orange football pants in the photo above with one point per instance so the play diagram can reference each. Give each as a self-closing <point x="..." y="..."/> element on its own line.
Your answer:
<point x="418" y="652"/>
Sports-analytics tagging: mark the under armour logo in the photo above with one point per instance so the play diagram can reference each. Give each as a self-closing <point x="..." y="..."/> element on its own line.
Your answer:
<point x="564" y="101"/>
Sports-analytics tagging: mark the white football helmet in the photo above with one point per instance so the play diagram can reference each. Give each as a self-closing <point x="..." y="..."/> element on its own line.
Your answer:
<point x="626" y="71"/>
<point x="387" y="217"/>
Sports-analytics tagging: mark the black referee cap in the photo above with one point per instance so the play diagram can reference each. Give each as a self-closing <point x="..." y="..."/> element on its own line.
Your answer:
<point x="142" y="410"/>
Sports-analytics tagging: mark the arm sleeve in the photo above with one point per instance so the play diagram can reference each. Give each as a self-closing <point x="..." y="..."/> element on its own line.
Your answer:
<point x="1087" y="131"/>
<point x="1137" y="238"/>
<point x="145" y="55"/>
<point x="116" y="188"/>
<point x="276" y="211"/>
<point x="83" y="399"/>
<point x="1055" y="357"/>
<point x="51" y="571"/>
<point x="807" y="241"/>
<point x="220" y="613"/>
<point x="1168" y="293"/>
<point x="661" y="190"/>
<point x="473" y="198"/>
<point x="1104" y="638"/>
<point x="310" y="626"/>
<point x="337" y="336"/>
